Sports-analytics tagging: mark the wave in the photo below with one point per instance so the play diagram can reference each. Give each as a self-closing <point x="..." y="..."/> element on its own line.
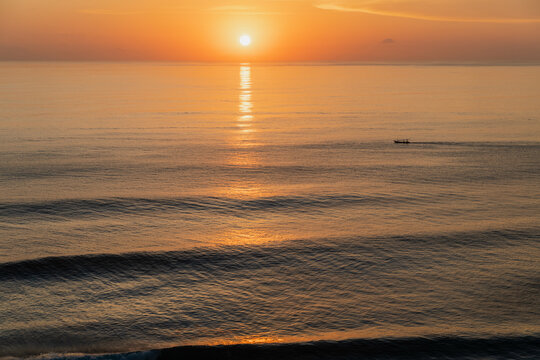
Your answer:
<point x="452" y="347"/>
<point x="240" y="207"/>
<point x="411" y="348"/>
<point x="227" y="259"/>
<point x="149" y="300"/>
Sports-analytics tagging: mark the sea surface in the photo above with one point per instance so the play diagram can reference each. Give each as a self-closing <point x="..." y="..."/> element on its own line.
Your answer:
<point x="249" y="211"/>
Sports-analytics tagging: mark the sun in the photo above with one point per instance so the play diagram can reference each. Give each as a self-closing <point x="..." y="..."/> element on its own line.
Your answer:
<point x="244" y="40"/>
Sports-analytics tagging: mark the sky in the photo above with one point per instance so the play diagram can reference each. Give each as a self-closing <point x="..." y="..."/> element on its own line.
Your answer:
<point x="281" y="30"/>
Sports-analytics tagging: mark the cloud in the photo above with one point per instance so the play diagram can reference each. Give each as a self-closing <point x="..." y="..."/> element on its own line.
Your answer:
<point x="388" y="41"/>
<point x="225" y="9"/>
<point x="106" y="12"/>
<point x="412" y="10"/>
<point x="229" y="8"/>
<point x="240" y="10"/>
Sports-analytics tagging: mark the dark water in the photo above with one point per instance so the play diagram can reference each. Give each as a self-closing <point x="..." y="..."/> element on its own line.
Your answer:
<point x="264" y="212"/>
<point x="456" y="286"/>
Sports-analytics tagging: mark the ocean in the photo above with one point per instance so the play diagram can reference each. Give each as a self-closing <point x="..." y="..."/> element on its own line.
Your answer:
<point x="251" y="211"/>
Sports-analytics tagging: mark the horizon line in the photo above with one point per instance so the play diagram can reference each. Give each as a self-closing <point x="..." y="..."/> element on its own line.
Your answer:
<point x="291" y="63"/>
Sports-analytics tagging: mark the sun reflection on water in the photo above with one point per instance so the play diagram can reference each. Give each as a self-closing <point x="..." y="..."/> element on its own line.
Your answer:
<point x="245" y="159"/>
<point x="244" y="135"/>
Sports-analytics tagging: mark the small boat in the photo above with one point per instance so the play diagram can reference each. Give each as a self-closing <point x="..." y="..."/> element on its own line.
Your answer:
<point x="402" y="141"/>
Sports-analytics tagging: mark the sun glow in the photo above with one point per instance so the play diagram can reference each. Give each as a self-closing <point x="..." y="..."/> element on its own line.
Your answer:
<point x="245" y="40"/>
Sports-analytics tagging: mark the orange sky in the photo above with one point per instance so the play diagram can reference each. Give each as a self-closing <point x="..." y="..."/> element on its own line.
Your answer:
<point x="281" y="30"/>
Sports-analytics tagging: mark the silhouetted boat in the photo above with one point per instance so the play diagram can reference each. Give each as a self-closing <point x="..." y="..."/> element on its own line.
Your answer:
<point x="402" y="141"/>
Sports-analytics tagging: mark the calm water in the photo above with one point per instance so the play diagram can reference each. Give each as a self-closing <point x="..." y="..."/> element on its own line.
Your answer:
<point x="146" y="206"/>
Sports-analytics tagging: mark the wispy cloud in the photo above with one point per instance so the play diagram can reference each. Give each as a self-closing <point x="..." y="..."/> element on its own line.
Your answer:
<point x="369" y="8"/>
<point x="106" y="12"/>
<point x="241" y="10"/>
<point x="229" y="8"/>
<point x="225" y="9"/>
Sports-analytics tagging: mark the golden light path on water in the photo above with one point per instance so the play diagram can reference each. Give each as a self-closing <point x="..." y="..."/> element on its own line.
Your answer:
<point x="244" y="135"/>
<point x="245" y="105"/>
<point x="244" y="158"/>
